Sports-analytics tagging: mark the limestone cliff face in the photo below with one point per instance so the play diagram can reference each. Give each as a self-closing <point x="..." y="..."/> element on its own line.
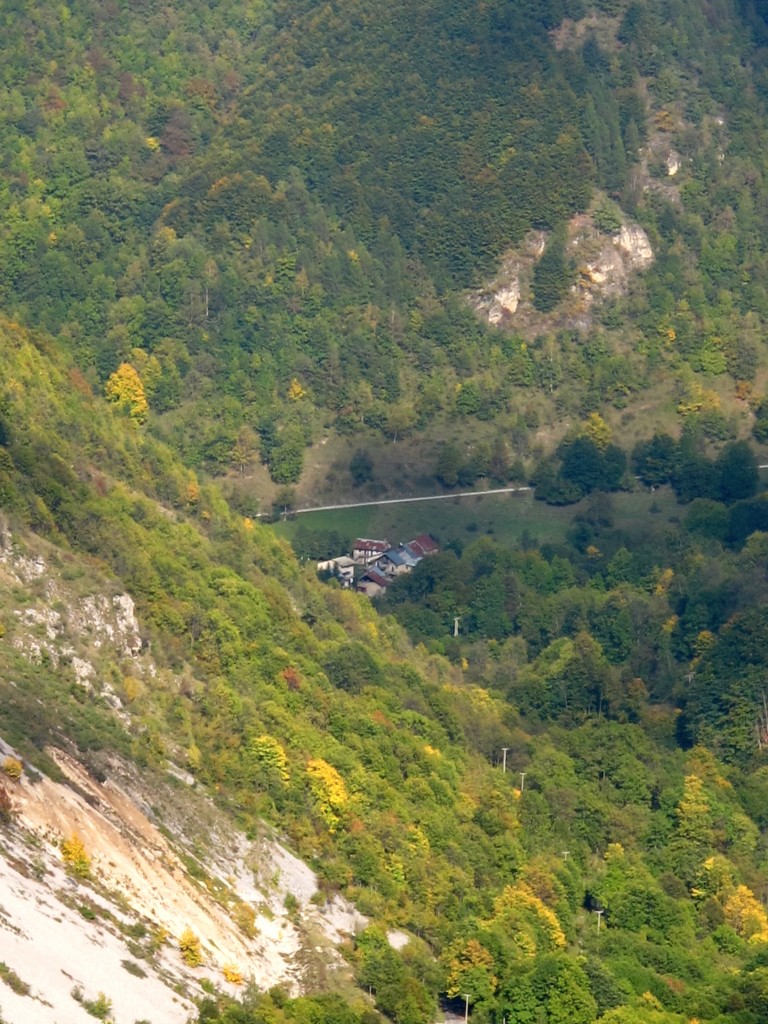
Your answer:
<point x="633" y="241"/>
<point x="608" y="263"/>
<point x="605" y="263"/>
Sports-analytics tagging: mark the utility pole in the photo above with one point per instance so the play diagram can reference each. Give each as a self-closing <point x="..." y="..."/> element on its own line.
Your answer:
<point x="522" y="780"/>
<point x="599" y="919"/>
<point x="466" y="1008"/>
<point x="504" y="759"/>
<point x="565" y="854"/>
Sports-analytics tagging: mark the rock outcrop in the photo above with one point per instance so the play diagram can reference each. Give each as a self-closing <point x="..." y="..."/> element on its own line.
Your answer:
<point x="605" y="263"/>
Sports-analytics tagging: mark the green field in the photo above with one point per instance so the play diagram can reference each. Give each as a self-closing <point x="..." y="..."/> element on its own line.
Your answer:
<point x="506" y="517"/>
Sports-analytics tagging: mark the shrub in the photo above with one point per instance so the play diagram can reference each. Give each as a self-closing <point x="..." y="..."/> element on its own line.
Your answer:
<point x="233" y="974"/>
<point x="100" y="1007"/>
<point x="157" y="940"/>
<point x="76" y="860"/>
<point x="13" y="768"/>
<point x="245" y="919"/>
<point x="189" y="946"/>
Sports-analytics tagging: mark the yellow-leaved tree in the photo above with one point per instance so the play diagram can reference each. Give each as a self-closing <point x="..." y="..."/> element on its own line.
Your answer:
<point x="126" y="390"/>
<point x="597" y="430"/>
<point x="526" y="918"/>
<point x="329" y="791"/>
<point x="470" y="969"/>
<point x="694" y="817"/>
<point x="746" y="915"/>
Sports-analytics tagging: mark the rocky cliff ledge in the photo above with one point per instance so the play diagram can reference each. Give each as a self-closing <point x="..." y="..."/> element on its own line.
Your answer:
<point x="603" y="260"/>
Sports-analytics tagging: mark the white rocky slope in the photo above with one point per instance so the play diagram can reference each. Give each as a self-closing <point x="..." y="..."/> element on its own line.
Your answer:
<point x="163" y="858"/>
<point x="117" y="932"/>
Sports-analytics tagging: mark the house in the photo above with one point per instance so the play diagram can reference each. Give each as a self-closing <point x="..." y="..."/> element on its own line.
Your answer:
<point x="365" y="550"/>
<point x="343" y="567"/>
<point x="372" y="583"/>
<point x="423" y="545"/>
<point x="396" y="561"/>
<point x="382" y="562"/>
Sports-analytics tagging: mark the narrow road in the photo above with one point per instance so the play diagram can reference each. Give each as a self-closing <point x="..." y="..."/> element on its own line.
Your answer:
<point x="402" y="501"/>
<point x="425" y="497"/>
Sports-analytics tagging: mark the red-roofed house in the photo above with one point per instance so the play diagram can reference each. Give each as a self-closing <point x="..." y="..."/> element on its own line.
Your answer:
<point x="365" y="550"/>
<point x="424" y="545"/>
<point x="372" y="583"/>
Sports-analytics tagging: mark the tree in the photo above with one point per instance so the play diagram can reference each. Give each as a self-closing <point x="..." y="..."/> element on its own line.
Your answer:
<point x="499" y="465"/>
<point x="696" y="477"/>
<point x="448" y="465"/>
<point x="582" y="464"/>
<point x="351" y="667"/>
<point x="268" y="755"/>
<point x="746" y="915"/>
<point x="760" y="426"/>
<point x="76" y="859"/>
<point x="286" y="459"/>
<point x="246" y="448"/>
<point x="654" y="460"/>
<point x="408" y="1002"/>
<point x="471" y="969"/>
<point x="597" y="430"/>
<point x="562" y="989"/>
<point x="329" y="791"/>
<point x="361" y="467"/>
<point x="738" y="471"/>
<point x="552" y="275"/>
<point x="401" y="417"/>
<point x="284" y="501"/>
<point x="126" y="390"/>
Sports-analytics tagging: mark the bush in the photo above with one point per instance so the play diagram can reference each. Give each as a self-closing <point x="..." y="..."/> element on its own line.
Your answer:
<point x="233" y="974"/>
<point x="100" y="1007"/>
<point x="361" y="467"/>
<point x="76" y="861"/>
<point x="13" y="768"/>
<point x="189" y="946"/>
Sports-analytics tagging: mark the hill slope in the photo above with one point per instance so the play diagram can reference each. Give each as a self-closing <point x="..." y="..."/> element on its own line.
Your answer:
<point x="268" y="212"/>
<point x="231" y="231"/>
<point x="296" y="703"/>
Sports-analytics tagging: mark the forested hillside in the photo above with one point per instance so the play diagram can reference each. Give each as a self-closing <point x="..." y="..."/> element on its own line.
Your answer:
<point x="232" y="231"/>
<point x="381" y="763"/>
<point x="268" y="212"/>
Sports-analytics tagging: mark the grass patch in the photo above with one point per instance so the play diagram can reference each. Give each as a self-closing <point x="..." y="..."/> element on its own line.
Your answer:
<point x="13" y="981"/>
<point x="133" y="968"/>
<point x="508" y="518"/>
